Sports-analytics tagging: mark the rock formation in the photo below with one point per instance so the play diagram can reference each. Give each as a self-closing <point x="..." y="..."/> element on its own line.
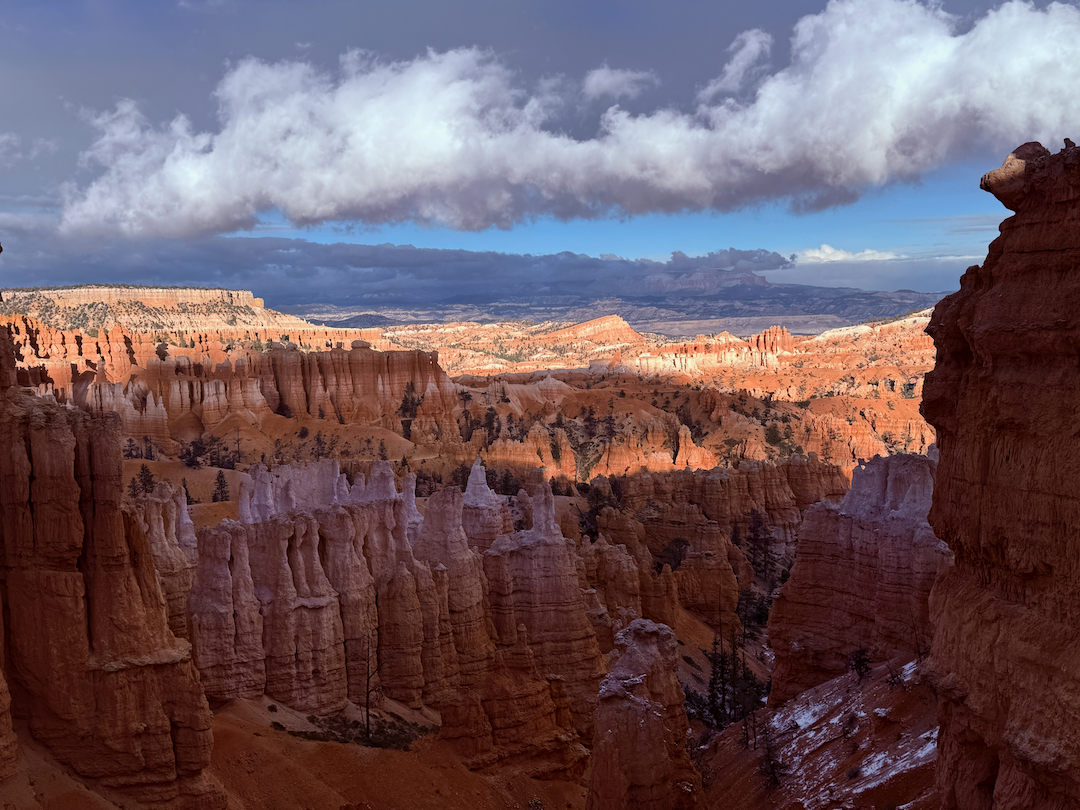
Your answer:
<point x="92" y="662"/>
<point x="1003" y="399"/>
<point x="316" y="606"/>
<point x="163" y="517"/>
<point x="484" y="514"/>
<point x="173" y="393"/>
<point x="862" y="577"/>
<point x="533" y="582"/>
<point x="639" y="747"/>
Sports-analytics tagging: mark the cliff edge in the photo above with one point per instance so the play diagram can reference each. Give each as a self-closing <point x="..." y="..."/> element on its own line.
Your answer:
<point x="1004" y="400"/>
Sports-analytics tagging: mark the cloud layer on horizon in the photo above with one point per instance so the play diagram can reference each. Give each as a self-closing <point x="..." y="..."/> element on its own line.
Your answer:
<point x="374" y="276"/>
<point x="876" y="91"/>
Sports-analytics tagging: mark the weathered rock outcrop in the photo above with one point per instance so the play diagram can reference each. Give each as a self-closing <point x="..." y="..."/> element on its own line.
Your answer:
<point x="484" y="515"/>
<point x="163" y="517"/>
<point x="639" y="747"/>
<point x="313" y="607"/>
<point x="533" y="582"/>
<point x="862" y="577"/>
<point x="1004" y="400"/>
<point x="92" y="662"/>
<point x="171" y="393"/>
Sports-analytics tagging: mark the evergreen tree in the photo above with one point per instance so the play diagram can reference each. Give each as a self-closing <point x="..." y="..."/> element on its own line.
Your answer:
<point x="221" y="488"/>
<point x="146" y="480"/>
<point x="759" y="540"/>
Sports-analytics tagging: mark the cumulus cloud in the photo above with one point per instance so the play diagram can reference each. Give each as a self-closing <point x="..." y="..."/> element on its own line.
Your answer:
<point x="747" y="51"/>
<point x="876" y="91"/>
<point x="605" y="82"/>
<point x="827" y="253"/>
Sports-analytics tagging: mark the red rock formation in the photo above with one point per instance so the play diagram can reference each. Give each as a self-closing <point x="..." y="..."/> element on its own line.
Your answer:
<point x="639" y="748"/>
<point x="171" y="393"/>
<point x="610" y="330"/>
<point x="224" y="618"/>
<point x="774" y="340"/>
<point x="314" y="607"/>
<point x="698" y="510"/>
<point x="533" y="582"/>
<point x="726" y="495"/>
<point x="163" y="518"/>
<point x="484" y="515"/>
<point x="1003" y="398"/>
<point x="552" y="454"/>
<point x="95" y="669"/>
<point x="862" y="577"/>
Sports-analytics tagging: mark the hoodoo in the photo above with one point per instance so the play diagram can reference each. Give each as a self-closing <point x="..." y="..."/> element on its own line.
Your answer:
<point x="1004" y="400"/>
<point x="91" y="657"/>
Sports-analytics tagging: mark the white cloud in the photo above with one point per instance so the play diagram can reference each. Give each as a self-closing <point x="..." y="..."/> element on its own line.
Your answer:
<point x="747" y="51"/>
<point x="613" y="83"/>
<point x="827" y="253"/>
<point x="877" y="90"/>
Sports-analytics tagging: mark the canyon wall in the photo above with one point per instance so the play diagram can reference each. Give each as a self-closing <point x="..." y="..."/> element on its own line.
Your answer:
<point x="1004" y="400"/>
<point x="862" y="577"/>
<point x="172" y="394"/>
<point x="92" y="664"/>
<point x="314" y="605"/>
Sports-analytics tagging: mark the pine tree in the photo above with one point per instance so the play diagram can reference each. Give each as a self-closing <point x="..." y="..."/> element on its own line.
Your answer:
<point x="221" y="488"/>
<point x="760" y="541"/>
<point x="146" y="480"/>
<point x="718" y="684"/>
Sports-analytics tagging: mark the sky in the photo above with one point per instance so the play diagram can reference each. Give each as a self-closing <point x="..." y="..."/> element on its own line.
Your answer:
<point x="300" y="149"/>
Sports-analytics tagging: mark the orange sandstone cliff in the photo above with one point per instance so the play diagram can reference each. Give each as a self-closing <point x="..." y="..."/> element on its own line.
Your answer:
<point x="861" y="579"/>
<point x="1004" y="401"/>
<point x="91" y="661"/>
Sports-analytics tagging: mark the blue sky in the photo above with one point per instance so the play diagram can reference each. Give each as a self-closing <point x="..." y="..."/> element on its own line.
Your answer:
<point x="136" y="137"/>
<point x="942" y="224"/>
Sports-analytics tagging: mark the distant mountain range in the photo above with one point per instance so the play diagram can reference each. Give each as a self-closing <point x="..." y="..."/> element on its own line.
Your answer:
<point x="689" y="306"/>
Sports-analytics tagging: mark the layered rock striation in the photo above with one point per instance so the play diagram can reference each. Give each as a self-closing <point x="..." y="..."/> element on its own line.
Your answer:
<point x="862" y="577"/>
<point x="1004" y="399"/>
<point x="92" y="662"/>
<point x="172" y="393"/>
<point x="640" y="758"/>
<point x="316" y="607"/>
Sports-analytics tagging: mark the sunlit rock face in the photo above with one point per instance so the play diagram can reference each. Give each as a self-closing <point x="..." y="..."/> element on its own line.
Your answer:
<point x="1004" y="400"/>
<point x="862" y="577"/>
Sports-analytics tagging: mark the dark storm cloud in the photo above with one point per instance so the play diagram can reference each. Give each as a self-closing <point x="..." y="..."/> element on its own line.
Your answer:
<point x="874" y="91"/>
<point x="292" y="271"/>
